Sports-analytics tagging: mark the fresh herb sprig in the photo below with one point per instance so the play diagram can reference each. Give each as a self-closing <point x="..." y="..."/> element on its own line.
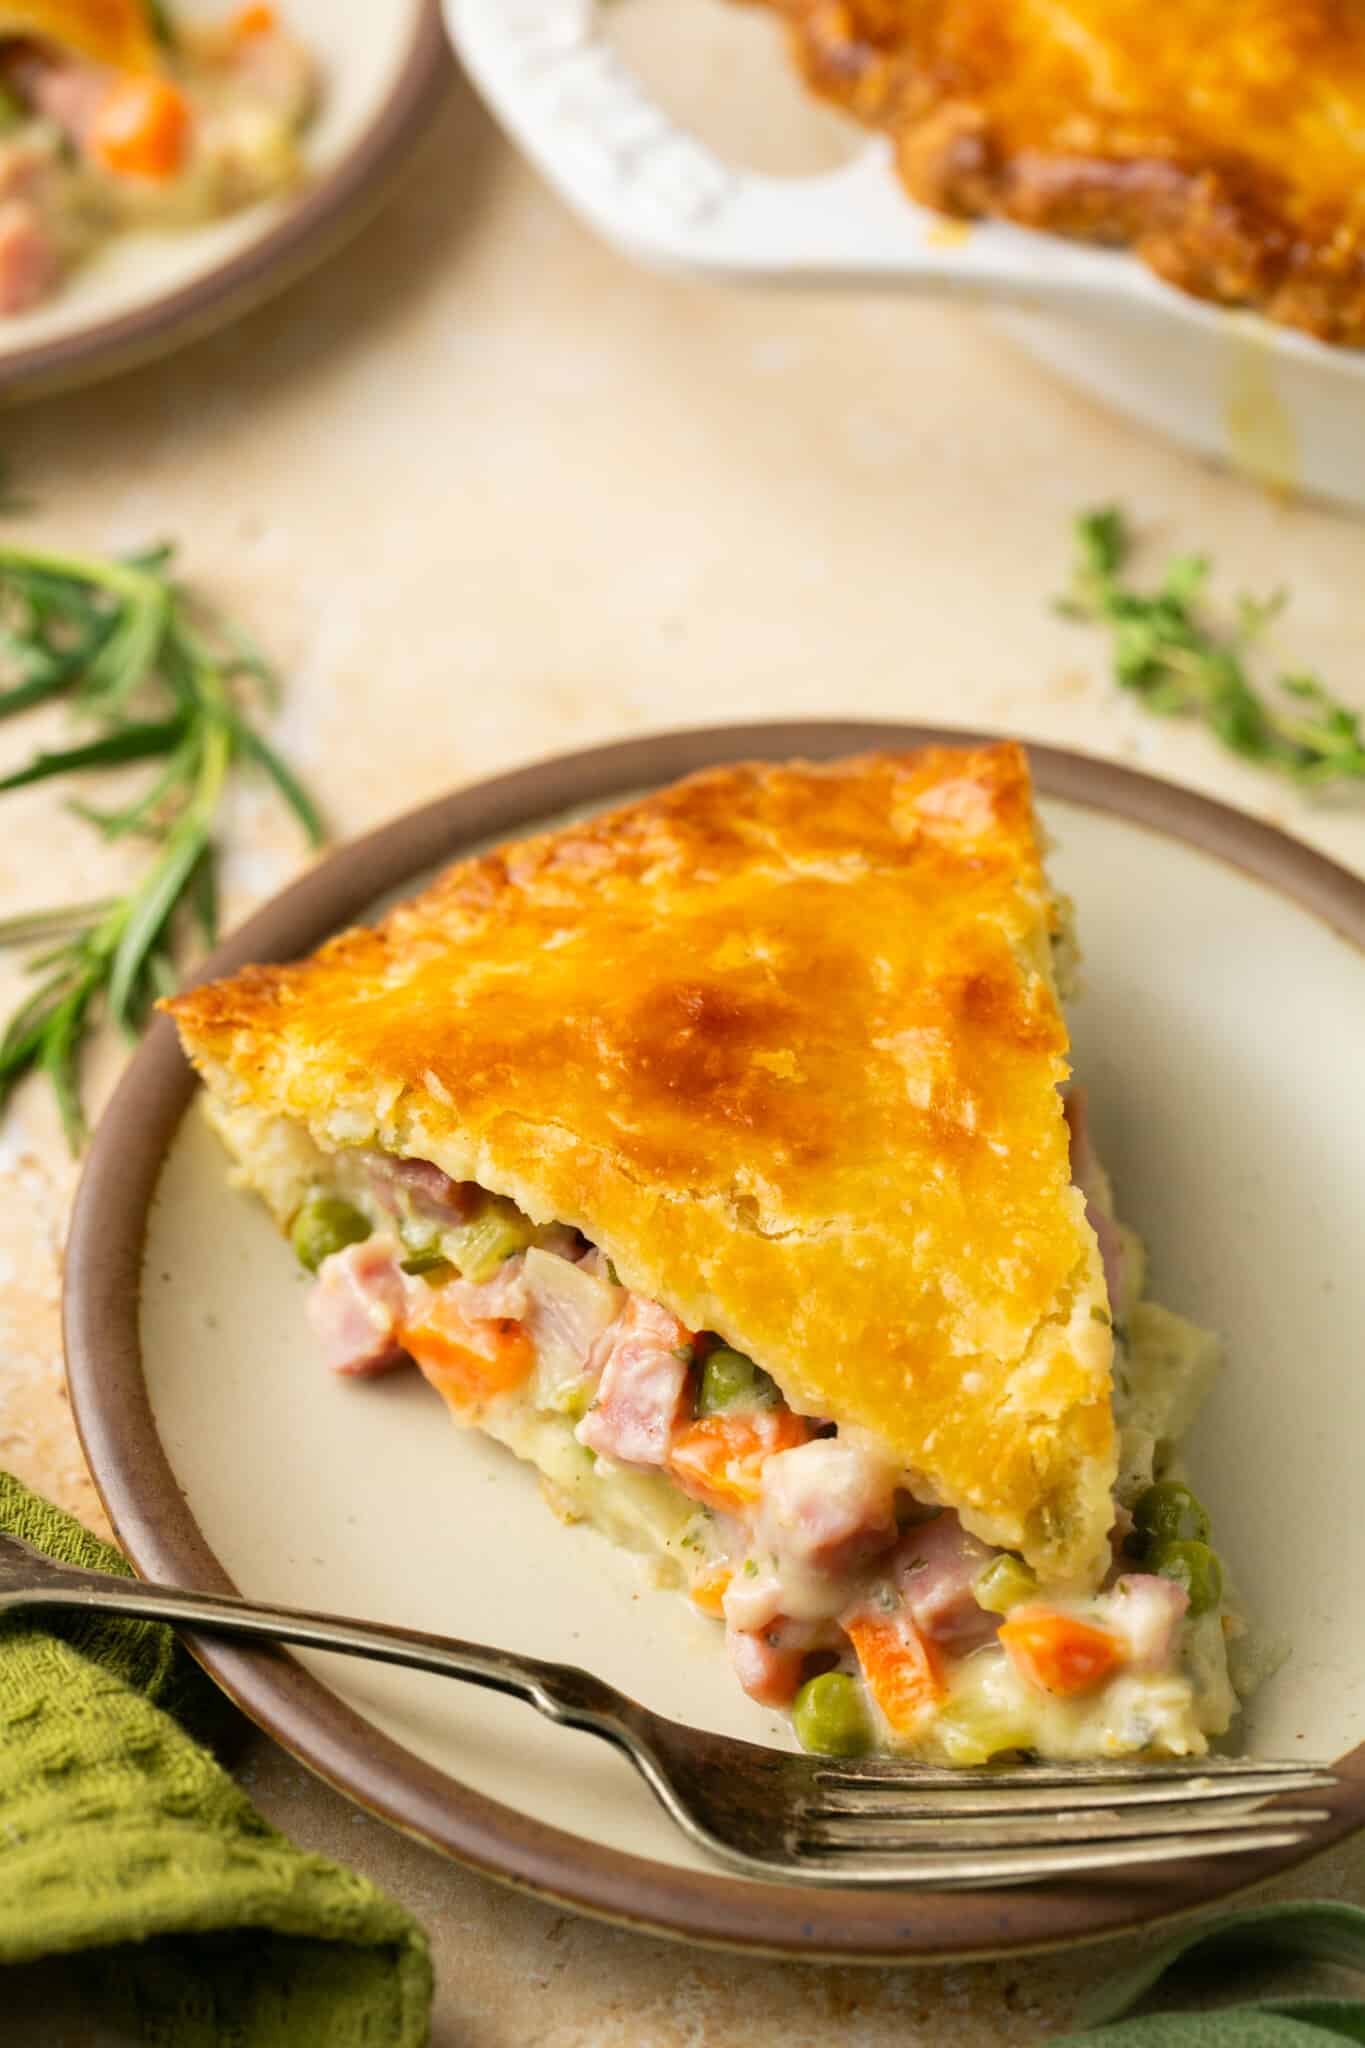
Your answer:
<point x="1179" y="664"/>
<point x="158" y="680"/>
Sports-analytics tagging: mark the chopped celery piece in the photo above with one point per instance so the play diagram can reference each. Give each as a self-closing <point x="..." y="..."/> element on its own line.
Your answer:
<point x="434" y="1267"/>
<point x="323" y="1226"/>
<point x="974" y="1734"/>
<point x="479" y="1247"/>
<point x="1003" y="1583"/>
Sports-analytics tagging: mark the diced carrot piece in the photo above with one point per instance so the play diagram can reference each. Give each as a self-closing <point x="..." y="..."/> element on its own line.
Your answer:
<point x="708" y="1590"/>
<point x="1057" y="1652"/>
<point x="902" y="1670"/>
<point x="719" y="1459"/>
<point x="141" y="128"/>
<point x="254" y="21"/>
<point x="467" y="1361"/>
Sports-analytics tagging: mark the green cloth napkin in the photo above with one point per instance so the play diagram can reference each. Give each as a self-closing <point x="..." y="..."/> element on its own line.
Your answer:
<point x="1303" y="1931"/>
<point x="123" y="1845"/>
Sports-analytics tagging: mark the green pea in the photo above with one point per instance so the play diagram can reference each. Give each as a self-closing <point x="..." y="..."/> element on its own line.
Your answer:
<point x="323" y="1226"/>
<point x="1169" y="1513"/>
<point x="1004" y="1583"/>
<point x="1195" y="1567"/>
<point x="829" y="1717"/>
<point x="730" y="1380"/>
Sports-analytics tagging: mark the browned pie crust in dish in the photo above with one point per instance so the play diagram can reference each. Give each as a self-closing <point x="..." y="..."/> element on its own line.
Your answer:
<point x="1226" y="146"/>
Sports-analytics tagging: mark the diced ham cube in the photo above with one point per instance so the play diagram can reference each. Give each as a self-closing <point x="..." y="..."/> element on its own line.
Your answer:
<point x="753" y="1599"/>
<point x="770" y="1662"/>
<point x="935" y="1565"/>
<point x="826" y="1507"/>
<point x="770" y="1676"/>
<point x="429" y="1192"/>
<point x="66" y="92"/>
<point x="1146" y="1610"/>
<point x="640" y="1362"/>
<point x="24" y="164"/>
<point x="356" y="1306"/>
<point x="1088" y="1176"/>
<point x="504" y="1298"/>
<point x="29" y="259"/>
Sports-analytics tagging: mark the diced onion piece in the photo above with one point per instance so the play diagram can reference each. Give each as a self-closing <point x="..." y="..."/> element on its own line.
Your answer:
<point x="569" y="1311"/>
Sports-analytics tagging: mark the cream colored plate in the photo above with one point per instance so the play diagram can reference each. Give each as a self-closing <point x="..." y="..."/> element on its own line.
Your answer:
<point x="382" y="65"/>
<point x="1220" y="1035"/>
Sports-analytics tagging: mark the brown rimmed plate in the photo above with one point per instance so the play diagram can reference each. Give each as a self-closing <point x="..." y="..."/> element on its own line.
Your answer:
<point x="1220" y="1035"/>
<point x="384" y="67"/>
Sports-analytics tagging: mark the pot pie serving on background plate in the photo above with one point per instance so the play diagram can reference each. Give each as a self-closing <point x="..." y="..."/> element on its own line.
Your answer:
<point x="712" y="1155"/>
<point x="128" y="114"/>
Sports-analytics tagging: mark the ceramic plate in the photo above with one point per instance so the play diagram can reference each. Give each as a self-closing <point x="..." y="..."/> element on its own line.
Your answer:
<point x="384" y="65"/>
<point x="1220" y="1035"/>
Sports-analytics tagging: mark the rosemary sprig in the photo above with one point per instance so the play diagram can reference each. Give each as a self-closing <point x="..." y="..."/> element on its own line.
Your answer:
<point x="127" y="647"/>
<point x="1178" y="664"/>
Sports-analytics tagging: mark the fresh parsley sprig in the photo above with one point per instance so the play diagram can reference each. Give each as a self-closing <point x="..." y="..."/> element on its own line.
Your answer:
<point x="158" y="680"/>
<point x="1179" y="664"/>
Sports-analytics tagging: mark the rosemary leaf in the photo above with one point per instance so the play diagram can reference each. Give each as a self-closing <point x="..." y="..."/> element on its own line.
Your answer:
<point x="148" y="910"/>
<point x="285" y="781"/>
<point x="29" y="925"/>
<point x="23" y="1033"/>
<point x="125" y="645"/>
<point x="203" y="896"/>
<point x="60" y="1054"/>
<point x="125" y="743"/>
<point x="48" y="682"/>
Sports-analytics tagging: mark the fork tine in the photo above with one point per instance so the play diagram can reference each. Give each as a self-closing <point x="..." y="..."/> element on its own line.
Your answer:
<point x="879" y="1770"/>
<point x="928" y="1868"/>
<point x="903" y="1799"/>
<point x="857" y="1834"/>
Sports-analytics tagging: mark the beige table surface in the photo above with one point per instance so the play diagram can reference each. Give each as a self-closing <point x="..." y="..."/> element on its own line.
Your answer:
<point x="487" y="492"/>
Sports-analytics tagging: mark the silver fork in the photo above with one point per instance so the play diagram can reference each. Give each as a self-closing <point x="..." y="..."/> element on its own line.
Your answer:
<point x="772" y="1814"/>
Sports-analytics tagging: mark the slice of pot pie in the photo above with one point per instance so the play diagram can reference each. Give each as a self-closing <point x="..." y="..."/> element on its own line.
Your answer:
<point x="712" y="1155"/>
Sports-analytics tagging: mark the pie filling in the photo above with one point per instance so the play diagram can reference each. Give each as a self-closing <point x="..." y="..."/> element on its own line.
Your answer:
<point x="875" y="1618"/>
<point x="87" y="153"/>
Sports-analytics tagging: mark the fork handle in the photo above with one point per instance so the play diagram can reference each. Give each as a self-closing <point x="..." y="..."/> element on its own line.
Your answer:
<point x="560" y="1691"/>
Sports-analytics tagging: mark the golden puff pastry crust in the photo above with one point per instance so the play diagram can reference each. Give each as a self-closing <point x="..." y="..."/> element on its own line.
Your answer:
<point x="1225" y="144"/>
<point x="783" y="1040"/>
<point x="114" y="32"/>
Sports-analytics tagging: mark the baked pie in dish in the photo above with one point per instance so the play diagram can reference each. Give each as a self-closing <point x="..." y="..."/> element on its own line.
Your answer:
<point x="1226" y="146"/>
<point x="712" y="1154"/>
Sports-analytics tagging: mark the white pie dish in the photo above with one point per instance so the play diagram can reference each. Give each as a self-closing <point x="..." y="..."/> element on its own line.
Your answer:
<point x="1284" y="409"/>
